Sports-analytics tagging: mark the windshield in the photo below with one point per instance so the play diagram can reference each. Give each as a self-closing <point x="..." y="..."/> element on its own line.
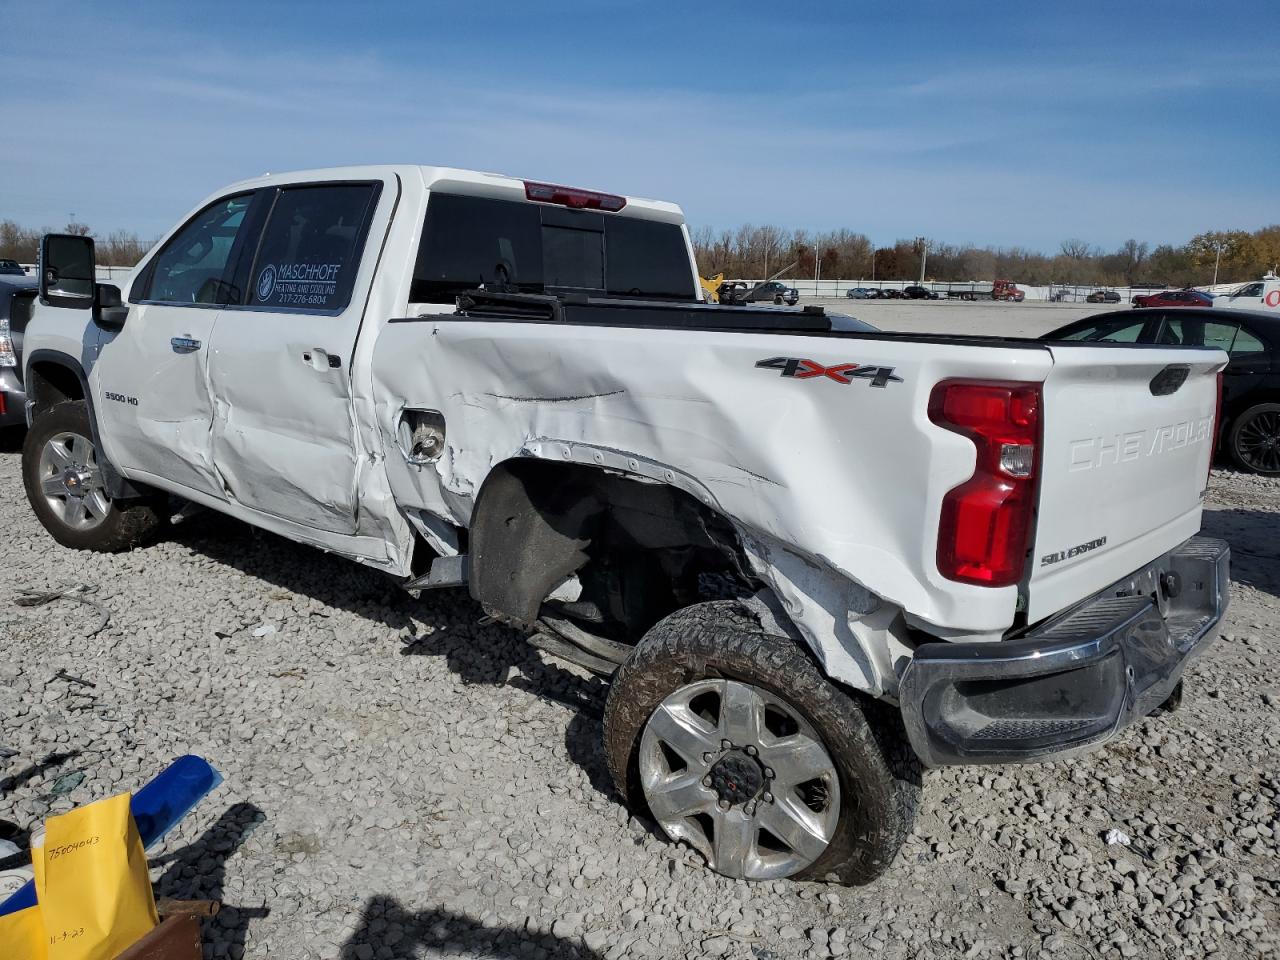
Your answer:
<point x="539" y="248"/>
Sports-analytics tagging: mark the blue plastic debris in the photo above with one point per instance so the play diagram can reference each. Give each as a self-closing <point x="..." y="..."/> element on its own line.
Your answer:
<point x="156" y="808"/>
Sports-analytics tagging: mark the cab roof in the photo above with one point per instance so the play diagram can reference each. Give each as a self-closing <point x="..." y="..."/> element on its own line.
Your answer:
<point x="472" y="182"/>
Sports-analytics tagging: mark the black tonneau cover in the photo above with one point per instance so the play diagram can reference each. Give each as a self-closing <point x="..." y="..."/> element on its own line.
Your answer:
<point x="609" y="311"/>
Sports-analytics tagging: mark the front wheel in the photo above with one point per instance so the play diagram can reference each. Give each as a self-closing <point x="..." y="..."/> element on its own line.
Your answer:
<point x="739" y="746"/>
<point x="1254" y="439"/>
<point x="63" y="480"/>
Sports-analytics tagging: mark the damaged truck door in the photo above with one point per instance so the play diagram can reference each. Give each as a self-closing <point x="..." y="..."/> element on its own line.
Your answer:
<point x="290" y="450"/>
<point x="165" y="351"/>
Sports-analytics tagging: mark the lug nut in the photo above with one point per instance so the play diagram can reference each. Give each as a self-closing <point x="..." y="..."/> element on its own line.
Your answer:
<point x="768" y="773"/>
<point x="706" y="781"/>
<point x="724" y="804"/>
<point x="749" y="809"/>
<point x="752" y="751"/>
<point x="708" y="757"/>
<point x="767" y="798"/>
<point x="726" y="744"/>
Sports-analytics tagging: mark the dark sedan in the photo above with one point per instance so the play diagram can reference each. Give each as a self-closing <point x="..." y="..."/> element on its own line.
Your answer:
<point x="917" y="292"/>
<point x="1249" y="431"/>
<point x="1174" y="298"/>
<point x="1103" y="296"/>
<point x="15" y="306"/>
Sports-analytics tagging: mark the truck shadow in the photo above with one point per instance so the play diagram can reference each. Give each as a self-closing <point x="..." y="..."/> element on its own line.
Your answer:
<point x="388" y="929"/>
<point x="442" y="623"/>
<point x="198" y="872"/>
<point x="1254" y="536"/>
<point x="11" y="439"/>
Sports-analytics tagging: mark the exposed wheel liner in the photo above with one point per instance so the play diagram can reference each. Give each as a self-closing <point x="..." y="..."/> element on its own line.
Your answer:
<point x="880" y="775"/>
<point x="127" y="524"/>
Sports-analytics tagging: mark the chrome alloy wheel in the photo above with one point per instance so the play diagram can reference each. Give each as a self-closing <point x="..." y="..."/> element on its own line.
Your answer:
<point x="741" y="776"/>
<point x="72" y="483"/>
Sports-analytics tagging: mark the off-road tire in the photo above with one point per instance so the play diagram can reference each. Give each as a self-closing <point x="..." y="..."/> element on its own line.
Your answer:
<point x="1234" y="435"/>
<point x="127" y="524"/>
<point x="880" y="776"/>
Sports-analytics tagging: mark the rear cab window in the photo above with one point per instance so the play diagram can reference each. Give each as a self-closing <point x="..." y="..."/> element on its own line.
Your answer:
<point x="311" y="247"/>
<point x="538" y="248"/>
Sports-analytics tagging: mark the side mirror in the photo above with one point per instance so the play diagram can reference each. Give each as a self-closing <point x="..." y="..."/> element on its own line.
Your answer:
<point x="109" y="310"/>
<point x="67" y="271"/>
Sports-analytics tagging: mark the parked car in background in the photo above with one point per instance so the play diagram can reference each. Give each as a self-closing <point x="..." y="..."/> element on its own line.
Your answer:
<point x="1174" y="298"/>
<point x="1249" y="423"/>
<point x="862" y="293"/>
<point x="1261" y="294"/>
<point x="1103" y="296"/>
<point x="917" y="292"/>
<point x="16" y="294"/>
<point x="11" y="268"/>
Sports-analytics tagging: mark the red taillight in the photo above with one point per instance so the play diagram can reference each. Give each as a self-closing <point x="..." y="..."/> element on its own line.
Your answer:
<point x="982" y="533"/>
<point x="573" y="197"/>
<point x="3" y="409"/>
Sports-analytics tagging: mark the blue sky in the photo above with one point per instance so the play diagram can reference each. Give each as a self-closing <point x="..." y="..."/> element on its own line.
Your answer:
<point x="1012" y="124"/>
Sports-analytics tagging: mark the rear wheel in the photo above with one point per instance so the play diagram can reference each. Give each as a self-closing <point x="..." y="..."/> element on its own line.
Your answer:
<point x="64" y="484"/>
<point x="1255" y="439"/>
<point x="740" y="747"/>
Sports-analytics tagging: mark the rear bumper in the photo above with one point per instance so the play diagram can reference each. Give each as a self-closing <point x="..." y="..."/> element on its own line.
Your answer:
<point x="1076" y="680"/>
<point x="12" y="398"/>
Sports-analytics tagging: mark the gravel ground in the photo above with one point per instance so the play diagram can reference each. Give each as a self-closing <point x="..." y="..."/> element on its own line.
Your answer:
<point x="403" y="780"/>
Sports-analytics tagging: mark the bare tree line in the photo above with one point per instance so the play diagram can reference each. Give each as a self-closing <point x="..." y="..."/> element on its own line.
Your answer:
<point x="755" y="252"/>
<point x="118" y="249"/>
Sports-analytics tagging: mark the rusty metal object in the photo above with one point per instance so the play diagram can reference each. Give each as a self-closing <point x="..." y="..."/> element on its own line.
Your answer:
<point x="169" y="907"/>
<point x="177" y="938"/>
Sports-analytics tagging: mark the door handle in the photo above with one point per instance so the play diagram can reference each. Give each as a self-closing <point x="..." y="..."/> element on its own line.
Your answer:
<point x="321" y="359"/>
<point x="184" y="344"/>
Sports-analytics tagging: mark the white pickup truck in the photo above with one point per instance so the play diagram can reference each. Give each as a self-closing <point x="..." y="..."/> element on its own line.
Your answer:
<point x="811" y="555"/>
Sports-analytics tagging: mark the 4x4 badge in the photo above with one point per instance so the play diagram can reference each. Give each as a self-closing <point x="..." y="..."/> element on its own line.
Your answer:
<point x="800" y="369"/>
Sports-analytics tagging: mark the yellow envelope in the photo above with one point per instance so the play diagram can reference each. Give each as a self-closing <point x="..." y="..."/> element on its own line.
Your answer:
<point x="92" y="882"/>
<point x="22" y="936"/>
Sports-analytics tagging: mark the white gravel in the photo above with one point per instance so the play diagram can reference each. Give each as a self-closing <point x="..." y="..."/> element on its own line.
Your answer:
<point x="403" y="781"/>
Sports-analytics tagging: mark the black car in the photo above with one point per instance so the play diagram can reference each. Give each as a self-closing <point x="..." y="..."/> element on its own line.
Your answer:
<point x="11" y="268"/>
<point x="1249" y="430"/>
<point x="774" y="291"/>
<point x="1103" y="296"/>
<point x="917" y="292"/>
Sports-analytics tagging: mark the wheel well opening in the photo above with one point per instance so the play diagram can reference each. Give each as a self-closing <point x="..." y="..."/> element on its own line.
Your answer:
<point x="611" y="553"/>
<point x="49" y="384"/>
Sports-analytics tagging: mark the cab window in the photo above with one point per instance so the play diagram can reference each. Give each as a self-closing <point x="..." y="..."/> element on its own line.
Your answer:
<point x="1246" y="342"/>
<point x="1249" y="290"/>
<point x="1195" y="332"/>
<point x="311" y="247"/>
<point x="193" y="266"/>
<point x="1109" y="331"/>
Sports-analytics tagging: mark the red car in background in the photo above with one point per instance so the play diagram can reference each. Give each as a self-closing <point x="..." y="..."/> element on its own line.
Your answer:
<point x="1173" y="298"/>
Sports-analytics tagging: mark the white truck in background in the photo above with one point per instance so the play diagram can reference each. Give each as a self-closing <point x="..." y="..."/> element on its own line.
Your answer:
<point x="1261" y="294"/>
<point x="811" y="555"/>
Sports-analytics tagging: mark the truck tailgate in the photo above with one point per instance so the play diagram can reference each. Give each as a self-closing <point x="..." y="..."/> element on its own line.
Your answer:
<point x="1128" y="436"/>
